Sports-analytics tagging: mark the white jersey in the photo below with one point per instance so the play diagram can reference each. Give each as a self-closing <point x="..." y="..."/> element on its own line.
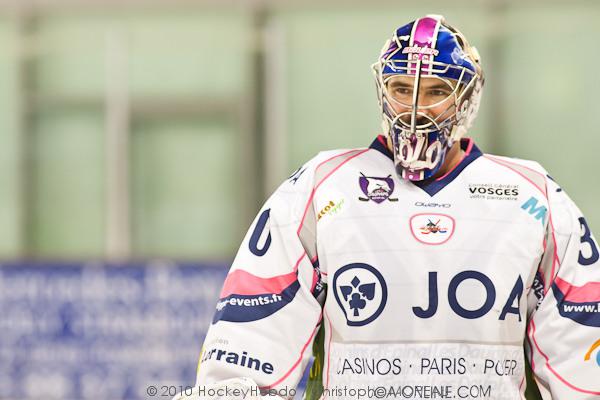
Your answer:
<point x="415" y="290"/>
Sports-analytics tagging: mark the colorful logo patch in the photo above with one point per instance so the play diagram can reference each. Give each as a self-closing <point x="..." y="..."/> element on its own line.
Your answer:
<point x="578" y="303"/>
<point x="330" y="208"/>
<point x="493" y="191"/>
<point x="235" y="358"/>
<point x="432" y="228"/>
<point x="539" y="212"/>
<point x="420" y="50"/>
<point x="361" y="293"/>
<point x="588" y="355"/>
<point x="246" y="297"/>
<point x="376" y="189"/>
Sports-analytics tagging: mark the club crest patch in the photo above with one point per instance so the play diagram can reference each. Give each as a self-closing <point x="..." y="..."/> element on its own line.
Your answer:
<point x="376" y="189"/>
<point x="432" y="228"/>
<point x="361" y="293"/>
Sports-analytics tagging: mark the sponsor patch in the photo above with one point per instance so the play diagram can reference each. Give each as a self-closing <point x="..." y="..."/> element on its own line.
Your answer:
<point x="432" y="228"/>
<point x="493" y="191"/>
<point x="246" y="308"/>
<point x="376" y="189"/>
<point x="432" y="204"/>
<point x="241" y="359"/>
<point x="539" y="212"/>
<point x="330" y="208"/>
<point x="361" y="293"/>
<point x="420" y="370"/>
<point x="589" y="355"/>
<point x="246" y="297"/>
<point x="420" y="50"/>
<point x="578" y="303"/>
<point x="538" y="289"/>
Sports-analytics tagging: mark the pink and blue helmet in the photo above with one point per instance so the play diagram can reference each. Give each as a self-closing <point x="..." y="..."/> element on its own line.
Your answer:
<point x="429" y="82"/>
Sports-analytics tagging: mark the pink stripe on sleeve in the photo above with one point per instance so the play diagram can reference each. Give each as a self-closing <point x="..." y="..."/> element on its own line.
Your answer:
<point x="588" y="293"/>
<point x="245" y="283"/>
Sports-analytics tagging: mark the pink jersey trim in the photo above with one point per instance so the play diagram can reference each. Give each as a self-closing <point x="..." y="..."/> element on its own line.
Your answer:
<point x="465" y="155"/>
<point x="563" y="380"/>
<point x="298" y="262"/>
<point x="531" y="360"/>
<point x="244" y="283"/>
<point x="545" y="194"/>
<point x="555" y="259"/>
<point x="295" y="365"/>
<point x="312" y="194"/>
<point x="328" y="349"/>
<point x="507" y="165"/>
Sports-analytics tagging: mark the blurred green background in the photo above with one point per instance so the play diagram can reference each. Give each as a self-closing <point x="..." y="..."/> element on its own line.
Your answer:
<point x="132" y="130"/>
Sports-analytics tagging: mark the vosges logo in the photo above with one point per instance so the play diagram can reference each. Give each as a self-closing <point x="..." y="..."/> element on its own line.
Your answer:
<point x="361" y="293"/>
<point x="588" y="355"/>
<point x="493" y="191"/>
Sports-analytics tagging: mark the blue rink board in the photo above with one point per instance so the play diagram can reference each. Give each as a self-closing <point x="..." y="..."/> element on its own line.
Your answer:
<point x="98" y="331"/>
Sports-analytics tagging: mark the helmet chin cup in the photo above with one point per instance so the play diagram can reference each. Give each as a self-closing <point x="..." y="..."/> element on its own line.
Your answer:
<point x="418" y="155"/>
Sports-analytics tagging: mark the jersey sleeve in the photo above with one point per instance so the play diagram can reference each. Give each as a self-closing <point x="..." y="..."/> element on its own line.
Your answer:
<point x="268" y="312"/>
<point x="563" y="332"/>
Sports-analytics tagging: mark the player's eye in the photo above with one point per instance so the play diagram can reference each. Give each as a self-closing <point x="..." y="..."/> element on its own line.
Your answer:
<point x="402" y="90"/>
<point x="439" y="93"/>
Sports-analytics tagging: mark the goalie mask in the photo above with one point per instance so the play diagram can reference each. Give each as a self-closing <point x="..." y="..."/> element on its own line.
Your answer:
<point x="429" y="82"/>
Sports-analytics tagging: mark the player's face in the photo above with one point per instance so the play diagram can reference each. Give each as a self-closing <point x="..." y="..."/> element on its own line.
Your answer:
<point x="436" y="96"/>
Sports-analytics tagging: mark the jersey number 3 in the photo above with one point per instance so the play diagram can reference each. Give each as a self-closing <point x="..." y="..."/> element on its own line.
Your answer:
<point x="587" y="238"/>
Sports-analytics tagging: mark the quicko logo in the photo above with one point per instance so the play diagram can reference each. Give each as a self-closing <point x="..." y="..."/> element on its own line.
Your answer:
<point x="243" y="360"/>
<point x="588" y="355"/>
<point x="361" y="293"/>
<point x="434" y="205"/>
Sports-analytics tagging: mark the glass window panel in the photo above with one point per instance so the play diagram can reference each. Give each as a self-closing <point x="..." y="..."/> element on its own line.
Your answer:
<point x="68" y="184"/>
<point x="185" y="203"/>
<point x="11" y="203"/>
<point x="551" y="101"/>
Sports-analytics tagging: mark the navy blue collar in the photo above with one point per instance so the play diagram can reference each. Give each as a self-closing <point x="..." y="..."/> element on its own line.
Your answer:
<point x="433" y="186"/>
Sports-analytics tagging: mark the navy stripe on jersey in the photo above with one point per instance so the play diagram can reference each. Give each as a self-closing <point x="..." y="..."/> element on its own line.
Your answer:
<point x="246" y="308"/>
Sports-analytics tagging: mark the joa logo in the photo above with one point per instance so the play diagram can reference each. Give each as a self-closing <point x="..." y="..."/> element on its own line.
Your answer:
<point x="588" y="355"/>
<point x="361" y="293"/>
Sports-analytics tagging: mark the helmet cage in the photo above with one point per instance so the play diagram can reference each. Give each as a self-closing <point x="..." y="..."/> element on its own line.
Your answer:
<point x="420" y="137"/>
